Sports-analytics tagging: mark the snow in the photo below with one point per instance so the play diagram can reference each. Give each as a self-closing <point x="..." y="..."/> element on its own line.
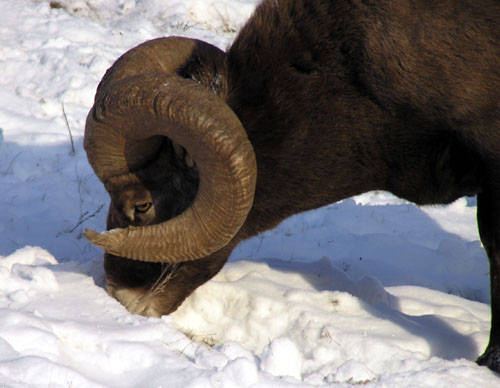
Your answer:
<point x="371" y="291"/>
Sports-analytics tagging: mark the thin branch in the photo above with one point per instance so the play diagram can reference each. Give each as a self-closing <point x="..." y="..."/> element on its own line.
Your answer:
<point x="6" y="172"/>
<point x="83" y="218"/>
<point x="73" y="152"/>
<point x="86" y="216"/>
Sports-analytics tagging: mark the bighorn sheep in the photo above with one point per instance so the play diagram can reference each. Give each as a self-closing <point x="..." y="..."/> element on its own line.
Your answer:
<point x="315" y="101"/>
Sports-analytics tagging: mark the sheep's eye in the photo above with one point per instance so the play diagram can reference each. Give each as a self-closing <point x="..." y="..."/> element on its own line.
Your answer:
<point x="143" y="207"/>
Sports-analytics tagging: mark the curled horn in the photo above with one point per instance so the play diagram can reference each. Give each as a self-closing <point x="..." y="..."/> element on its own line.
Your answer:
<point x="143" y="97"/>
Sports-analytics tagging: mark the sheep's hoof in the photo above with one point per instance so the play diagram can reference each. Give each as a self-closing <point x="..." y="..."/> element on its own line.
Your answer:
<point x="491" y="358"/>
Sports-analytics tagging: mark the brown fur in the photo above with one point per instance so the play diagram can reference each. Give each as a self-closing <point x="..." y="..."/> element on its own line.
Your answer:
<point x="342" y="97"/>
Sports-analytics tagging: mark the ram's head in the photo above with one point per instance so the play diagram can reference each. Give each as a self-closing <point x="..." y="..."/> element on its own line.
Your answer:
<point x="173" y="156"/>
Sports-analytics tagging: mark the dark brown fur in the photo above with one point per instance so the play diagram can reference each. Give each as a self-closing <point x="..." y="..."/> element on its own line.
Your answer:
<point x="343" y="97"/>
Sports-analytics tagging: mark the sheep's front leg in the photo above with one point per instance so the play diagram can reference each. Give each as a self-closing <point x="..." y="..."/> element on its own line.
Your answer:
<point x="489" y="228"/>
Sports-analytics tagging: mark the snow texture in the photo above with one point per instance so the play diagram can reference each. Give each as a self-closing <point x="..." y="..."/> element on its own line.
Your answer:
<point x="370" y="291"/>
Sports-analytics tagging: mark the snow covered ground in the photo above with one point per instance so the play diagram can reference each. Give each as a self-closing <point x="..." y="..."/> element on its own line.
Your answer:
<point x="371" y="291"/>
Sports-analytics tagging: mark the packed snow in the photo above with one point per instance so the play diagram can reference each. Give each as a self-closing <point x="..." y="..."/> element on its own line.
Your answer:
<point x="370" y="291"/>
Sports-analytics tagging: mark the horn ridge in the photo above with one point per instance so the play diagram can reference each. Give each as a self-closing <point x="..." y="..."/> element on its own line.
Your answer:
<point x="143" y="106"/>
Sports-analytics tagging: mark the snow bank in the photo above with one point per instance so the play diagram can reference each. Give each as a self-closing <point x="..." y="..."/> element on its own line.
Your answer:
<point x="255" y="324"/>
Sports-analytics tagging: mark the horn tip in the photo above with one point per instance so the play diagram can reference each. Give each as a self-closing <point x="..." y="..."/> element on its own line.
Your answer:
<point x="93" y="236"/>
